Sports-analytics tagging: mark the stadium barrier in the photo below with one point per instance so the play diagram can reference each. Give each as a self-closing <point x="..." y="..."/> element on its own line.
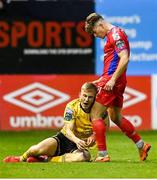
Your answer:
<point x="38" y="101"/>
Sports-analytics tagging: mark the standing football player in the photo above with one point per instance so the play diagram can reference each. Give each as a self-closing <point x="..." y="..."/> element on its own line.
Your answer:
<point x="111" y="85"/>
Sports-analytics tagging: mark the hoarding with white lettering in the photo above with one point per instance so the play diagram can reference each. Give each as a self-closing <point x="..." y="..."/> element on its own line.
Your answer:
<point x="138" y="19"/>
<point x="38" y="101"/>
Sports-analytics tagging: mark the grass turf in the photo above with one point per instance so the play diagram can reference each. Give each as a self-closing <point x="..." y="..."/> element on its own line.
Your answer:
<point x="124" y="158"/>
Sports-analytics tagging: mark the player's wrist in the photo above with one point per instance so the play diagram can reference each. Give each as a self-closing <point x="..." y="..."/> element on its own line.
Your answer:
<point x="113" y="78"/>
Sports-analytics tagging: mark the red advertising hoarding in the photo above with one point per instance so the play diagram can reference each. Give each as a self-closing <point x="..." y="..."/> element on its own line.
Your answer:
<point x="38" y="101"/>
<point x="137" y="101"/>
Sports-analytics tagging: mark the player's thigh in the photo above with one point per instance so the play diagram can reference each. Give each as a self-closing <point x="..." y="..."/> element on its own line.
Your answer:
<point x="48" y="146"/>
<point x="115" y="114"/>
<point x="97" y="111"/>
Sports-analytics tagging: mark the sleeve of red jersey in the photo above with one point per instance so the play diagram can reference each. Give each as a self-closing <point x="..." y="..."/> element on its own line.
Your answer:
<point x="119" y="40"/>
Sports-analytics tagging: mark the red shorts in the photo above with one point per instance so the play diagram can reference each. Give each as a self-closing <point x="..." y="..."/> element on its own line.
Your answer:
<point x="110" y="98"/>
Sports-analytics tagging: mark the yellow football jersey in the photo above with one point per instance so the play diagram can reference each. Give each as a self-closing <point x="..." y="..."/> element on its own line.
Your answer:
<point x="82" y="122"/>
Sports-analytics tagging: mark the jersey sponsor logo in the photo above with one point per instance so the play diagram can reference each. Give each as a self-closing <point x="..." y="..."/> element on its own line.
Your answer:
<point x="36" y="97"/>
<point x="132" y="97"/>
<point x="120" y="44"/>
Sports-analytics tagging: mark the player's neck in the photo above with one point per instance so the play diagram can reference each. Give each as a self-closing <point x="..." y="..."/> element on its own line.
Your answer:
<point x="109" y="27"/>
<point x="85" y="110"/>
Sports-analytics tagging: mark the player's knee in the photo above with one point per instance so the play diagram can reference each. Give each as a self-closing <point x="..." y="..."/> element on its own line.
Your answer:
<point x="99" y="125"/>
<point x="116" y="118"/>
<point x="83" y="156"/>
<point x="34" y="150"/>
<point x="86" y="155"/>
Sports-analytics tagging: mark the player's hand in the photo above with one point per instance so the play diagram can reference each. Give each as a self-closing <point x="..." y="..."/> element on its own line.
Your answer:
<point x="81" y="144"/>
<point x="109" y="85"/>
<point x="90" y="141"/>
<point x="96" y="81"/>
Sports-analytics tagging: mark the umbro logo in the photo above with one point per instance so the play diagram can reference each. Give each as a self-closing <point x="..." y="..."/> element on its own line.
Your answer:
<point x="36" y="97"/>
<point x="132" y="96"/>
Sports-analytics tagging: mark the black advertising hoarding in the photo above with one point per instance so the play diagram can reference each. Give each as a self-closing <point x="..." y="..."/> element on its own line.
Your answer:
<point x="42" y="37"/>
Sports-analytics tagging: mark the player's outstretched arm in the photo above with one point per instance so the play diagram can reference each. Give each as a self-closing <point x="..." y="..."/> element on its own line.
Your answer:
<point x="69" y="126"/>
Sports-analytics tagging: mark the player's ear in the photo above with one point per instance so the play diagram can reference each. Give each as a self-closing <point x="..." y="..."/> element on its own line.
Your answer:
<point x="101" y="25"/>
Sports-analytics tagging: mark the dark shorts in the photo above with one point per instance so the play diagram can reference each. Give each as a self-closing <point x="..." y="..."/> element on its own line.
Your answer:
<point x="64" y="144"/>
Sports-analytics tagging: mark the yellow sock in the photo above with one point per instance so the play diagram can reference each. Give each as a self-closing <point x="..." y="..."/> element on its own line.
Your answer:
<point x="58" y="159"/>
<point x="24" y="157"/>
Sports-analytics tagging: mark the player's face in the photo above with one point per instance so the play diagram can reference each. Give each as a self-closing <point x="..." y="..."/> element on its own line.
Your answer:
<point x="99" y="31"/>
<point x="87" y="98"/>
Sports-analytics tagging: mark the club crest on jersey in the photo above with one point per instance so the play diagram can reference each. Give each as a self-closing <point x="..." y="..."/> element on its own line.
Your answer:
<point x="120" y="44"/>
<point x="68" y="114"/>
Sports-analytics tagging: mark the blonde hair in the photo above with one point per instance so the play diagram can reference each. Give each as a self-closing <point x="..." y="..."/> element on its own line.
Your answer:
<point x="89" y="86"/>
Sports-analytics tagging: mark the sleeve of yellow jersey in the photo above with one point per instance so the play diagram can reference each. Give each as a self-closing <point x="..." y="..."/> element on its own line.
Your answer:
<point x="69" y="113"/>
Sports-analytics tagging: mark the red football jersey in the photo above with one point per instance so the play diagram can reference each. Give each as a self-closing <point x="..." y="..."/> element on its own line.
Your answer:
<point x="116" y="41"/>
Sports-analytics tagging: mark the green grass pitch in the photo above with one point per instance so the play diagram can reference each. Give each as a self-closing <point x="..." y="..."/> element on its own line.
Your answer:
<point x="124" y="158"/>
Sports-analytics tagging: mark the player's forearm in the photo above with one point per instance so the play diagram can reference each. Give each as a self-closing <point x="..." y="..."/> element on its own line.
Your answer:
<point x="97" y="80"/>
<point x="79" y="143"/>
<point x="70" y="135"/>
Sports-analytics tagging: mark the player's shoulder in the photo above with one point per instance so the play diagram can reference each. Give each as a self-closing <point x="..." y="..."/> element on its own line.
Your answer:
<point x="116" y="29"/>
<point x="116" y="33"/>
<point x="74" y="103"/>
